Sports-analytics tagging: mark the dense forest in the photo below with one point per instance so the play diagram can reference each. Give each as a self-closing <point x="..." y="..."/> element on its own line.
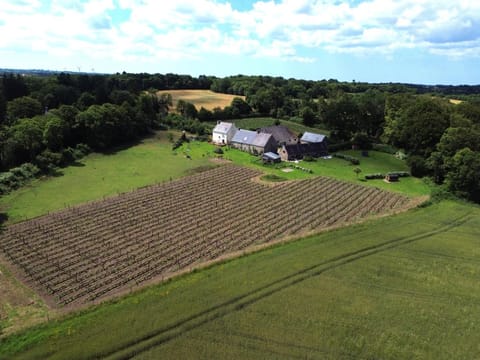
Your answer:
<point x="49" y="120"/>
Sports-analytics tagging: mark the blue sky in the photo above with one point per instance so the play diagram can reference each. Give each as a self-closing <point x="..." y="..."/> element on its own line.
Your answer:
<point x="414" y="41"/>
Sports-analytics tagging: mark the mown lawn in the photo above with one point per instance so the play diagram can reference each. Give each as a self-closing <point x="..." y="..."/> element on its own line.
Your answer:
<point x="98" y="176"/>
<point x="376" y="162"/>
<point x="401" y="287"/>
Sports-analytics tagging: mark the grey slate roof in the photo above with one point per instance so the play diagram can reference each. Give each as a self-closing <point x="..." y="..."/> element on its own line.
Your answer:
<point x="281" y="134"/>
<point x="244" y="136"/>
<point x="249" y="137"/>
<point x="223" y="127"/>
<point x="261" y="139"/>
<point x="271" y="155"/>
<point x="312" y="137"/>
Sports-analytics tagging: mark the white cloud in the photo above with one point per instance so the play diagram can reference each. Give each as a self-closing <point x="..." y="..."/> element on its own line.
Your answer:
<point x="202" y="28"/>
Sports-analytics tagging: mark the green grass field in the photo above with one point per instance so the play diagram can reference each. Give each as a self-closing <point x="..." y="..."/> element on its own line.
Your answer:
<point x="99" y="176"/>
<point x="400" y="287"/>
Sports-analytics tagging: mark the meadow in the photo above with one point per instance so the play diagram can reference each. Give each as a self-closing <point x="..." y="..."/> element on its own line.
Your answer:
<point x="99" y="176"/>
<point x="201" y="98"/>
<point x="400" y="287"/>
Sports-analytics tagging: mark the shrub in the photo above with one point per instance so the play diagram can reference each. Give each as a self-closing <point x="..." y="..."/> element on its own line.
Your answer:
<point x="218" y="151"/>
<point x="384" y="148"/>
<point x="48" y="161"/>
<point x="374" y="176"/>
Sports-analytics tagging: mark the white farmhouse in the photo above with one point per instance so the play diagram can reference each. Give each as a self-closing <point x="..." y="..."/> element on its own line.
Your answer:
<point x="223" y="133"/>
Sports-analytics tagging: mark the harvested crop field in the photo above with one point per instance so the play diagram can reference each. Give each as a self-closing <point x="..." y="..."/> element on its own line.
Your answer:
<point x="206" y="98"/>
<point x="89" y="252"/>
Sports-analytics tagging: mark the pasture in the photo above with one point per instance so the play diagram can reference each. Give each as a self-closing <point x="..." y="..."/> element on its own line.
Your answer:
<point x="101" y="175"/>
<point x="201" y="98"/>
<point x="400" y="287"/>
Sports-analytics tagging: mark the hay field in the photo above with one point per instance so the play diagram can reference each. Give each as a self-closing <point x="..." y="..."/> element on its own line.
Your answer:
<point x="206" y="98"/>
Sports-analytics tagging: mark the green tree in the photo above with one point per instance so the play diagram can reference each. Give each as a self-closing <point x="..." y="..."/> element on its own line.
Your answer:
<point x="23" y="107"/>
<point x="463" y="177"/>
<point x="418" y="125"/>
<point x="54" y="132"/>
<point x="24" y="142"/>
<point x="240" y="106"/>
<point x="308" y="116"/>
<point x="186" y="109"/>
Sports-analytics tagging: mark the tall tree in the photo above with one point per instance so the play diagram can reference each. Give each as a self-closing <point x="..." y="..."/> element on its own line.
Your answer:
<point x="23" y="107"/>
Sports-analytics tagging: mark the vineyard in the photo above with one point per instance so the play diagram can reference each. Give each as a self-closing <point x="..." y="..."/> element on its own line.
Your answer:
<point x="87" y="252"/>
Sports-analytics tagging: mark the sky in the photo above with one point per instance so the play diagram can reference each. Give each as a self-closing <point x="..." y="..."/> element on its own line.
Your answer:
<point x="409" y="41"/>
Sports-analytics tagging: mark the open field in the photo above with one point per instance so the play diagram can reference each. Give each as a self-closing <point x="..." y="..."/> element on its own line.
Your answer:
<point x="400" y="287"/>
<point x="101" y="175"/>
<point x="89" y="252"/>
<point x="206" y="98"/>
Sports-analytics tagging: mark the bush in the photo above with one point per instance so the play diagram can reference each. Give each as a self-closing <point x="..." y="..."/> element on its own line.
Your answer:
<point x="48" y="161"/>
<point x="17" y="177"/>
<point x="218" y="151"/>
<point x="384" y="148"/>
<point x="81" y="150"/>
<point x="353" y="160"/>
<point x="374" y="176"/>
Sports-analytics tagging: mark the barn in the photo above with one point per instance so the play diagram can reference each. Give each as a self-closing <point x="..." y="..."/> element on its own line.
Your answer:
<point x="281" y="134"/>
<point x="299" y="151"/>
<point x="223" y="133"/>
<point x="253" y="142"/>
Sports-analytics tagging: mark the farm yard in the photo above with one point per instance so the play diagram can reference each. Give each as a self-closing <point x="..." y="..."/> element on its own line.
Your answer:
<point x="89" y="252"/>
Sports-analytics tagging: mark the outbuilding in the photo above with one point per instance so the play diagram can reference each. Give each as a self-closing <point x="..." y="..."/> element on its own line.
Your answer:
<point x="392" y="177"/>
<point x="271" y="158"/>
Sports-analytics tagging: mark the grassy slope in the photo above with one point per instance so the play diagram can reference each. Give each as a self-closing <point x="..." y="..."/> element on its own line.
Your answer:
<point x="150" y="162"/>
<point x="400" y="287"/>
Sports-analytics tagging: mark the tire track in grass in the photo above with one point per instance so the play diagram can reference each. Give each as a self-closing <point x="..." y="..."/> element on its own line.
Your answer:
<point x="168" y="333"/>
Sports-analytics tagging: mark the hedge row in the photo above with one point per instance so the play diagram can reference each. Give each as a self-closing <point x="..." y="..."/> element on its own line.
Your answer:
<point x="381" y="176"/>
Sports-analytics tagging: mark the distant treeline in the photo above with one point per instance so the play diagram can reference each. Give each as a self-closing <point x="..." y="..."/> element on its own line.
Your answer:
<point x="49" y="120"/>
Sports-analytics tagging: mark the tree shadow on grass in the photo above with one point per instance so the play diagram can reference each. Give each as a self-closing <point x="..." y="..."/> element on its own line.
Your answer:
<point x="3" y="220"/>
